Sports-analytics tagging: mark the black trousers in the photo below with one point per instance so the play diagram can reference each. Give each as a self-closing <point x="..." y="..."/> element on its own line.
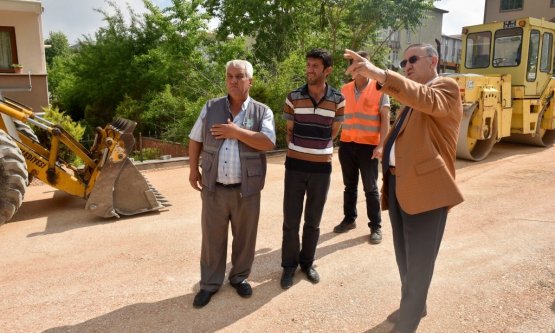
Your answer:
<point x="416" y="239"/>
<point x="356" y="158"/>
<point x="297" y="184"/>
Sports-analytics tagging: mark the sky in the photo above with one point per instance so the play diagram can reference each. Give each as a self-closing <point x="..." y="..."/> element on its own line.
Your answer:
<point x="461" y="13"/>
<point x="77" y="18"/>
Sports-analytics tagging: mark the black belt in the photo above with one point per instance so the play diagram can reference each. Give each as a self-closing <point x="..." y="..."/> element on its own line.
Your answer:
<point x="229" y="185"/>
<point x="392" y="170"/>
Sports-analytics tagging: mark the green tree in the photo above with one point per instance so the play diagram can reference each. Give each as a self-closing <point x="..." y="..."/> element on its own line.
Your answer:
<point x="135" y="58"/>
<point x="58" y="55"/>
<point x="160" y="67"/>
<point x="277" y="27"/>
<point x="61" y="83"/>
<point x="281" y="26"/>
<point x="58" y="45"/>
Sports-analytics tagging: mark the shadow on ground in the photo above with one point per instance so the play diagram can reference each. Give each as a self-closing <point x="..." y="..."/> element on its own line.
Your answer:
<point x="65" y="212"/>
<point x="178" y="315"/>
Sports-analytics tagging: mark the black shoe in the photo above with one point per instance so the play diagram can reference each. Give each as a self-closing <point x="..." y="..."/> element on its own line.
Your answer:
<point x="394" y="316"/>
<point x="311" y="274"/>
<point x="243" y="289"/>
<point x="202" y="298"/>
<point x="375" y="236"/>
<point x="287" y="277"/>
<point x="344" y="227"/>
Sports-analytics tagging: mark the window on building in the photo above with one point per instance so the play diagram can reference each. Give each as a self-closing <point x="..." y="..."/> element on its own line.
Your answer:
<point x="552" y="3"/>
<point x="512" y="4"/>
<point x="395" y="35"/>
<point x="8" y="51"/>
<point x="395" y="58"/>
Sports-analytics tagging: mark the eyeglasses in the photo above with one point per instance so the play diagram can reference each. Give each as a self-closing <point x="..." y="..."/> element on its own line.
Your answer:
<point x="411" y="60"/>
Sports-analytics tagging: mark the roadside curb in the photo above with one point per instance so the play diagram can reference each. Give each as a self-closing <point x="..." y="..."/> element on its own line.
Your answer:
<point x="180" y="161"/>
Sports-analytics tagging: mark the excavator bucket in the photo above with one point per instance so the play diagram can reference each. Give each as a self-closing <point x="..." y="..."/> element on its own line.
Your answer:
<point x="120" y="189"/>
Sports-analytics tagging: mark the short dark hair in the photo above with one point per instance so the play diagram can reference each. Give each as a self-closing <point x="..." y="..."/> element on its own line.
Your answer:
<point x="363" y="54"/>
<point x="321" y="54"/>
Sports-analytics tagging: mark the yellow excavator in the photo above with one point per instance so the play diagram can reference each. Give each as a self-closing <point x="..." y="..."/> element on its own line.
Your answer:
<point x="108" y="180"/>
<point x="507" y="85"/>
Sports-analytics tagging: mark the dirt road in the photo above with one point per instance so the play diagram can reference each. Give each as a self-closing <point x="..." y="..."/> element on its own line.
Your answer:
<point x="64" y="270"/>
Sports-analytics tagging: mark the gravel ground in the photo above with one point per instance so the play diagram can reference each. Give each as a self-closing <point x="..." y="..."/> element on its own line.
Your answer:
<point x="64" y="270"/>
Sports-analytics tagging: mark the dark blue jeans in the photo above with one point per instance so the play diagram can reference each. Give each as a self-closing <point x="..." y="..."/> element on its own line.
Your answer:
<point x="356" y="158"/>
<point x="297" y="184"/>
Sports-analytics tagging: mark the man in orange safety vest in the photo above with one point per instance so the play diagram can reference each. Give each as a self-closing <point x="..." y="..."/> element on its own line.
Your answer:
<point x="363" y="132"/>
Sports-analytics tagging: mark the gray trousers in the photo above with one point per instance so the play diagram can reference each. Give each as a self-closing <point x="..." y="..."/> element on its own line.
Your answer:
<point x="219" y="208"/>
<point x="416" y="239"/>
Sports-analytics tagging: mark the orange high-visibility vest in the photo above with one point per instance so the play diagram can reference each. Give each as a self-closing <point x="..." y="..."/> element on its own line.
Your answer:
<point x="362" y="116"/>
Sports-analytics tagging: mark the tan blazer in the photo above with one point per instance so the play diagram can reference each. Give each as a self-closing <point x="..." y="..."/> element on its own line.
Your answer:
<point x="425" y="148"/>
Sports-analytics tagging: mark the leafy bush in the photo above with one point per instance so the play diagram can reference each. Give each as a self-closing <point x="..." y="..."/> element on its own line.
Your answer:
<point x="147" y="154"/>
<point x="75" y="129"/>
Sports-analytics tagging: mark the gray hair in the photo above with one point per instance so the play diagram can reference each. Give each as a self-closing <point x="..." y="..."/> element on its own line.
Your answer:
<point x="430" y="50"/>
<point x="241" y="64"/>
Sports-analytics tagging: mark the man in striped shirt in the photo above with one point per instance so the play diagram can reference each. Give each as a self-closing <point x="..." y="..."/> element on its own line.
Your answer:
<point x="314" y="113"/>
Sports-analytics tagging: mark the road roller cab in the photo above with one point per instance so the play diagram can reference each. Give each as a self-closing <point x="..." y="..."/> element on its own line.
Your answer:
<point x="506" y="85"/>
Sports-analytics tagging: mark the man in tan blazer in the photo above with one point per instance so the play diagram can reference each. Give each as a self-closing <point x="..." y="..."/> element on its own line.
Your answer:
<point x="418" y="170"/>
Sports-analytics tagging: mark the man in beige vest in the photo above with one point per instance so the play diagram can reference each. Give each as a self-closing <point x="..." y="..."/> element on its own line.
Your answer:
<point x="232" y="133"/>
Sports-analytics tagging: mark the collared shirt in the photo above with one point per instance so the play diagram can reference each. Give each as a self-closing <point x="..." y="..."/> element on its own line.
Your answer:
<point x="392" y="151"/>
<point x="229" y="164"/>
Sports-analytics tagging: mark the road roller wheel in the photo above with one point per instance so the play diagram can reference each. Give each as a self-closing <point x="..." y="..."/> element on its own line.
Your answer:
<point x="472" y="149"/>
<point x="542" y="138"/>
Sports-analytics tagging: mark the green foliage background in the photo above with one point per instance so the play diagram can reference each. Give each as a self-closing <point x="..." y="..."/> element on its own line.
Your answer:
<point x="75" y="129"/>
<point x="160" y="67"/>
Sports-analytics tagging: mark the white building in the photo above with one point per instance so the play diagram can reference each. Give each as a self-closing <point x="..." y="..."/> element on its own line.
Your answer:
<point x="21" y="44"/>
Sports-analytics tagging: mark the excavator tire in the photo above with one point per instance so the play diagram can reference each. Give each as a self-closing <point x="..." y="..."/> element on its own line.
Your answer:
<point x="28" y="131"/>
<point x="25" y="129"/>
<point x="13" y="177"/>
